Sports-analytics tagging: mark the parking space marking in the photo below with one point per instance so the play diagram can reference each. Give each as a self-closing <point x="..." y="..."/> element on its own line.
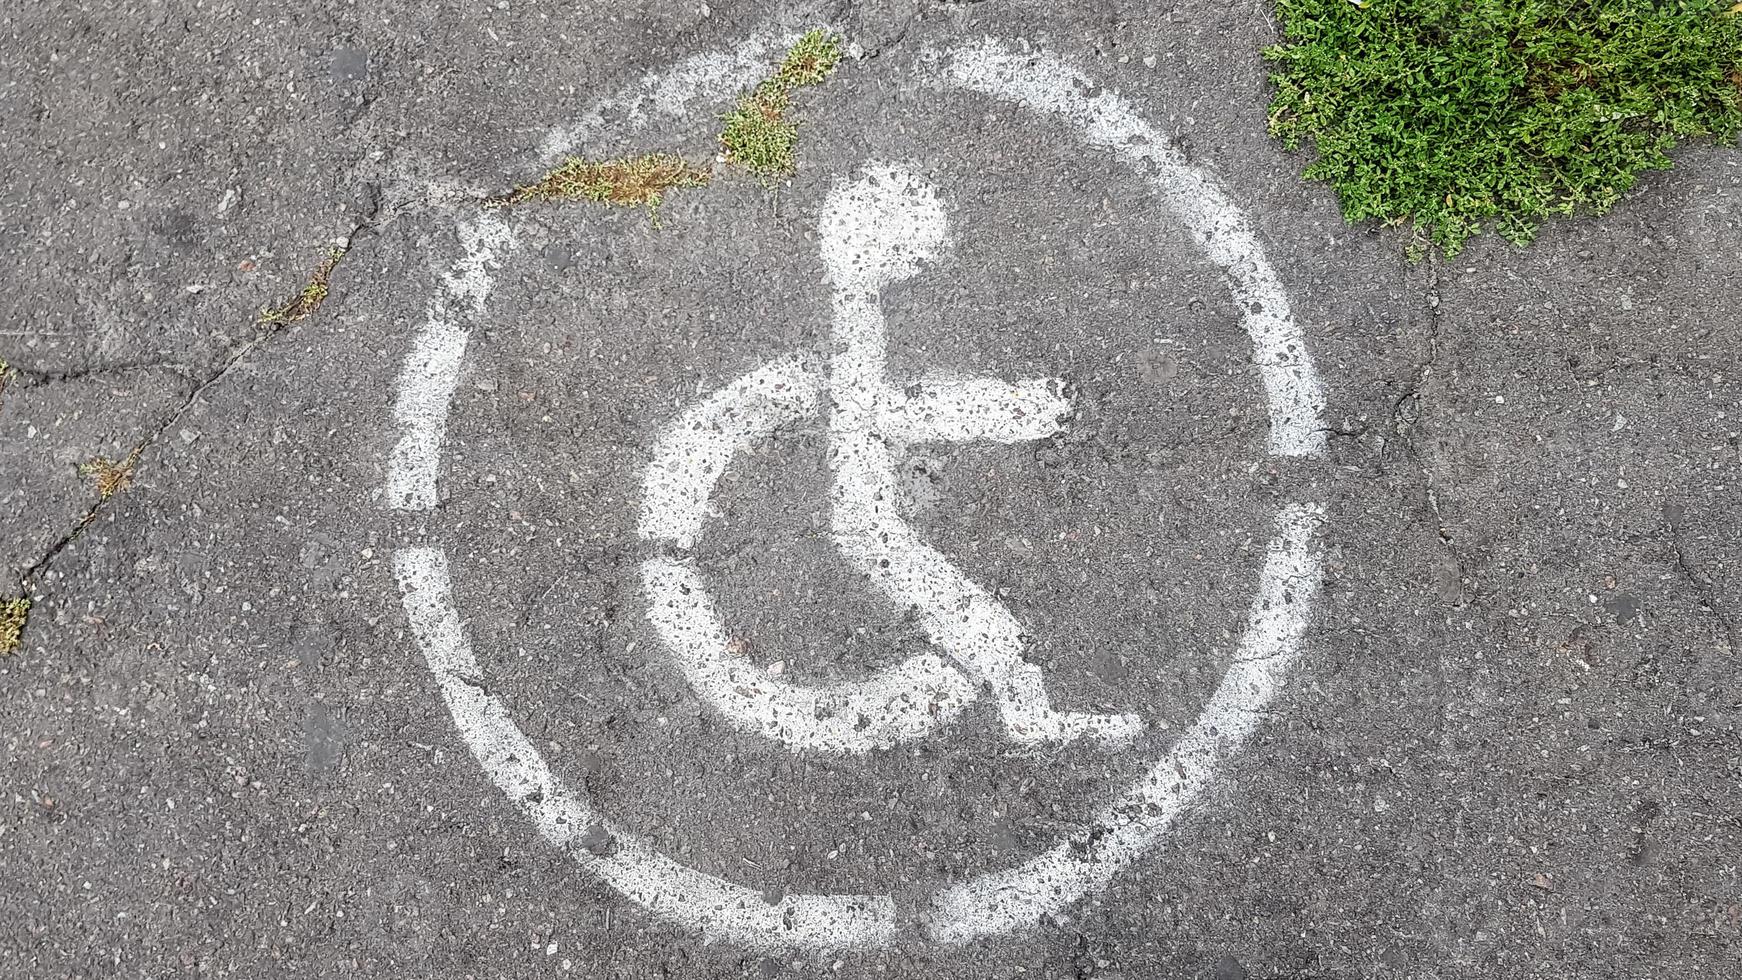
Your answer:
<point x="995" y="902"/>
<point x="669" y="93"/>
<point x="714" y="907"/>
<point x="691" y="453"/>
<point x="1107" y="121"/>
<point x="1135" y="822"/>
<point x="875" y="231"/>
<point x="432" y="370"/>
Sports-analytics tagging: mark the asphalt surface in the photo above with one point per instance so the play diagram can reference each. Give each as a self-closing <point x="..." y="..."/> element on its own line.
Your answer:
<point x="1509" y="746"/>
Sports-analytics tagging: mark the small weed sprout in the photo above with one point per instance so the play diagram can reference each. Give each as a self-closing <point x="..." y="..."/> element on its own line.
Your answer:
<point x="306" y="302"/>
<point x="109" y="477"/>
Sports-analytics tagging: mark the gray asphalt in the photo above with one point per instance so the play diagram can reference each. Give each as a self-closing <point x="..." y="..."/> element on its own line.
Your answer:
<point x="1512" y="745"/>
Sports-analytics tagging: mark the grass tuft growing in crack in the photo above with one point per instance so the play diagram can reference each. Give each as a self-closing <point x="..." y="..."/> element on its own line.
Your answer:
<point x="110" y="477"/>
<point x="1460" y="116"/>
<point x="810" y="60"/>
<point x="304" y="304"/>
<point x="757" y="134"/>
<point x="13" y="613"/>
<point x="641" y="181"/>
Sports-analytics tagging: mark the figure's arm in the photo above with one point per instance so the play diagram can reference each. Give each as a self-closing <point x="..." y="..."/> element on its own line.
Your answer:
<point x="960" y="408"/>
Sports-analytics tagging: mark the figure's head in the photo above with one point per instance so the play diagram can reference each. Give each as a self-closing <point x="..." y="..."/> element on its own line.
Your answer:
<point x="879" y="228"/>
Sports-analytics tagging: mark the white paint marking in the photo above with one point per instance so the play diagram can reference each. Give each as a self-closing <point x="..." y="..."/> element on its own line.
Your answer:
<point x="1044" y="84"/>
<point x="877" y="231"/>
<point x="670" y="92"/>
<point x="962" y="408"/>
<point x="1133" y="823"/>
<point x="716" y="908"/>
<point x="432" y="369"/>
<point x="692" y="452"/>
<point x="900" y="703"/>
<point x="894" y="705"/>
<point x="1137" y="820"/>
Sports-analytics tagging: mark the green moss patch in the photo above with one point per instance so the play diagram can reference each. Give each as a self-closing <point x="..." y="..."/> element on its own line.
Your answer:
<point x="810" y="60"/>
<point x="757" y="135"/>
<point x="641" y="181"/>
<point x="1459" y="116"/>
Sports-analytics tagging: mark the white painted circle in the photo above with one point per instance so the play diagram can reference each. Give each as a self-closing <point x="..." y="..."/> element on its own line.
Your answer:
<point x="1124" y="828"/>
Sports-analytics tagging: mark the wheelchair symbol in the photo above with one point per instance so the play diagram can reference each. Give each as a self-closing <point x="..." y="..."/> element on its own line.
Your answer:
<point x="875" y="231"/>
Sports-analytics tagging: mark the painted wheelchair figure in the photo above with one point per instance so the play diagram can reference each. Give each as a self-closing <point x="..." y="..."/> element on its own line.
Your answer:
<point x="875" y="231"/>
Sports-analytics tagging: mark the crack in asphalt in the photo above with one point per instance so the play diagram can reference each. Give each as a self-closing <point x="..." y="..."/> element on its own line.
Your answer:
<point x="31" y="378"/>
<point x="28" y="579"/>
<point x="1406" y="415"/>
<point x="1703" y="586"/>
